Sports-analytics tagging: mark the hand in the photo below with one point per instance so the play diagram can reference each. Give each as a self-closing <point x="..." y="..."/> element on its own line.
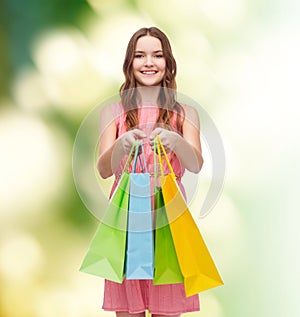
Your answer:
<point x="127" y="139"/>
<point x="168" y="138"/>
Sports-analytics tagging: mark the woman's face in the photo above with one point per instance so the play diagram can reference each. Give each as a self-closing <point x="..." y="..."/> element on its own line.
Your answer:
<point x="149" y="63"/>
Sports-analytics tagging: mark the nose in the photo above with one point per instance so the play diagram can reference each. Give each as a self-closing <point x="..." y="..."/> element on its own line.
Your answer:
<point x="149" y="61"/>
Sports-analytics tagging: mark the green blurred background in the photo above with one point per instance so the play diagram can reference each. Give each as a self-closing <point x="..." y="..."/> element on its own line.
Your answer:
<point x="238" y="58"/>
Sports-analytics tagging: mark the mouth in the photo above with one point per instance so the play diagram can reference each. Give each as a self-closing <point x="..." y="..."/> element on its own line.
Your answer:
<point x="149" y="72"/>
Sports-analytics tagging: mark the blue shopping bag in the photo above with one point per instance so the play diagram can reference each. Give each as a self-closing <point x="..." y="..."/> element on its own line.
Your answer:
<point x="140" y="239"/>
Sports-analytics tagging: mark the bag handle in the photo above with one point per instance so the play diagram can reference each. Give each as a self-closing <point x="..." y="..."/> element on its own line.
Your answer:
<point x="143" y="165"/>
<point x="160" y="147"/>
<point x="154" y="159"/>
<point x="130" y="157"/>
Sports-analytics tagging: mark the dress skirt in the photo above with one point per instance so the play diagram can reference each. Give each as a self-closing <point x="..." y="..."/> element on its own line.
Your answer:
<point x="136" y="296"/>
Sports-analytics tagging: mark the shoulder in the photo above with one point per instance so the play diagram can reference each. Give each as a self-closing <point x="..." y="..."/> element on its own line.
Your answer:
<point x="191" y="114"/>
<point x="110" y="116"/>
<point x="113" y="111"/>
<point x="189" y="110"/>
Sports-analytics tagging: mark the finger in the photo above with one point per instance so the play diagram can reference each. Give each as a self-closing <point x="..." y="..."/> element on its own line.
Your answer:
<point x="152" y="146"/>
<point x="140" y="134"/>
<point x="128" y="144"/>
<point x="130" y="141"/>
<point x="162" y="139"/>
<point x="155" y="132"/>
<point x="166" y="147"/>
<point x="158" y="131"/>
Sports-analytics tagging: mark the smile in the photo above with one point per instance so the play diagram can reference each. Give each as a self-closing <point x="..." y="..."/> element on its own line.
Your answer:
<point x="149" y="72"/>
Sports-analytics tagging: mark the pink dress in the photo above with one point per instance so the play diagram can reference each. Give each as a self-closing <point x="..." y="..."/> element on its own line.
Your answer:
<point x="135" y="296"/>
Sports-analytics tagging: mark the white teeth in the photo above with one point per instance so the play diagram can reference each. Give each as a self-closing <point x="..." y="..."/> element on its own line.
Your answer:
<point x="149" y="72"/>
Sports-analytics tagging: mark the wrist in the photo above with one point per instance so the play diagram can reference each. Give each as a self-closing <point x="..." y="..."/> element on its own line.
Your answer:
<point x="117" y="153"/>
<point x="177" y="141"/>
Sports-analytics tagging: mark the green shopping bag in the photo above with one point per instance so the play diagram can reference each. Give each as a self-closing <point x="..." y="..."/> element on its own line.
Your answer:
<point x="106" y="254"/>
<point x="167" y="270"/>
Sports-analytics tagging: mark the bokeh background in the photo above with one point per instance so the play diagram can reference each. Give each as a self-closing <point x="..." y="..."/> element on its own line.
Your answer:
<point x="238" y="58"/>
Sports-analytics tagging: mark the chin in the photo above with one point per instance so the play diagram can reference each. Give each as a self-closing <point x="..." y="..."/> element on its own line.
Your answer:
<point x="149" y="84"/>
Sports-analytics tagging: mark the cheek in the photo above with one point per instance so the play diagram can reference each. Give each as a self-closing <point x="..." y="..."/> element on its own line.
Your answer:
<point x="162" y="65"/>
<point x="136" y="64"/>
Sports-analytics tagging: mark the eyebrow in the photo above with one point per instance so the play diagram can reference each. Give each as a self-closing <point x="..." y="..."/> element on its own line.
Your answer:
<point x="158" y="51"/>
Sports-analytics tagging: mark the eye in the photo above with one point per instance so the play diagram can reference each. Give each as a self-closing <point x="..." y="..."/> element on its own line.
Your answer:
<point x="138" y="55"/>
<point x="158" y="56"/>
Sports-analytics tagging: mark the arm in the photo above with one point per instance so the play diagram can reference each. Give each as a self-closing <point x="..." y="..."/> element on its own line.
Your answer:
<point x="107" y="144"/>
<point x="187" y="147"/>
<point x="111" y="148"/>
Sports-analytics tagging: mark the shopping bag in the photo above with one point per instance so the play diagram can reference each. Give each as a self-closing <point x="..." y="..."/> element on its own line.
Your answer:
<point x="167" y="270"/>
<point x="140" y="244"/>
<point x="106" y="254"/>
<point x="196" y="264"/>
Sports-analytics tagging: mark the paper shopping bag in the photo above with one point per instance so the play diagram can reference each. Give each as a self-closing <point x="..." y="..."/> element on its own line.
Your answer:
<point x="106" y="254"/>
<point x="140" y="249"/>
<point x="167" y="270"/>
<point x="195" y="261"/>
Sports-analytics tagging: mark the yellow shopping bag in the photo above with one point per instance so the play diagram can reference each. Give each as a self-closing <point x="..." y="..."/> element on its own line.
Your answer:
<point x="196" y="264"/>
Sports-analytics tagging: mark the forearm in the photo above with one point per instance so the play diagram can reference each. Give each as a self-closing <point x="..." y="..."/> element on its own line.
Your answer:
<point x="111" y="156"/>
<point x="109" y="161"/>
<point x="188" y="155"/>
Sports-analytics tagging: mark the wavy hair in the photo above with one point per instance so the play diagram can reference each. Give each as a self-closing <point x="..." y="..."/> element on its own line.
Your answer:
<point x="166" y="101"/>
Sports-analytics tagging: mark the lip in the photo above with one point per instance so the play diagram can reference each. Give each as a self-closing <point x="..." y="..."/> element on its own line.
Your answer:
<point x="149" y="72"/>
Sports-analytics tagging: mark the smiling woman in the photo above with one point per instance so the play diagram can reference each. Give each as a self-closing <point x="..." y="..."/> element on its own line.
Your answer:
<point x="148" y="107"/>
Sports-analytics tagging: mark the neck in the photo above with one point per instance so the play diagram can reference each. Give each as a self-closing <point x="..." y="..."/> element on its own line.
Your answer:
<point x="149" y="94"/>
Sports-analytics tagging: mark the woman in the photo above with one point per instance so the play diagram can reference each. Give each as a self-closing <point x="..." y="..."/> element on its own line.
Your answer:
<point x="148" y="107"/>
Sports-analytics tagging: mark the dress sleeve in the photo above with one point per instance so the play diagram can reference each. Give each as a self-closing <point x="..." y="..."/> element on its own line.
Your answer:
<point x="120" y="117"/>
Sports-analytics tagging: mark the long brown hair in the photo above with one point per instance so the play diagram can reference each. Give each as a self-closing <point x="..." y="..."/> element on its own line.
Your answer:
<point x="167" y="103"/>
